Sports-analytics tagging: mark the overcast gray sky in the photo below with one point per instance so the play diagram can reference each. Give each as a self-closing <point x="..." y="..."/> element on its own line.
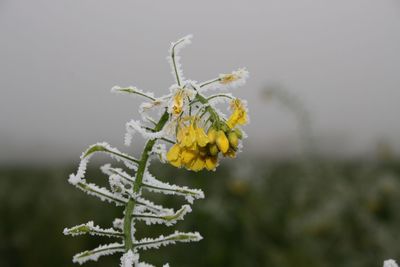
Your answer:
<point x="59" y="59"/>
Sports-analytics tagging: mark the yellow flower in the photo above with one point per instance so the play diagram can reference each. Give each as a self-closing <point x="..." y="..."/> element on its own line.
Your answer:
<point x="239" y="115"/>
<point x="190" y="150"/>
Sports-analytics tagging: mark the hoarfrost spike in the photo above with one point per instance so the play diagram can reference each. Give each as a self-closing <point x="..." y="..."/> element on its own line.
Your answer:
<point x="148" y="243"/>
<point x="91" y="229"/>
<point x="167" y="219"/>
<point x="95" y="254"/>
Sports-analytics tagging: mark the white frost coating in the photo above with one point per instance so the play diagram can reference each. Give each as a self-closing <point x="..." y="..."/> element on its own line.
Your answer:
<point x="129" y="259"/>
<point x="131" y="90"/>
<point x="168" y="219"/>
<point x="118" y="223"/>
<point x="95" y="254"/>
<point x="152" y="184"/>
<point x="148" y="243"/>
<point x="91" y="229"/>
<point x="102" y="193"/>
<point x="173" y="57"/>
<point x="161" y="151"/>
<point x="390" y="263"/>
<point x="150" y="206"/>
<point x="100" y="148"/>
<point x="135" y="126"/>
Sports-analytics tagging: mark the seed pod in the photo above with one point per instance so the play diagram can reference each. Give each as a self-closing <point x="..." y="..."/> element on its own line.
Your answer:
<point x="222" y="141"/>
<point x="213" y="149"/>
<point x="233" y="139"/>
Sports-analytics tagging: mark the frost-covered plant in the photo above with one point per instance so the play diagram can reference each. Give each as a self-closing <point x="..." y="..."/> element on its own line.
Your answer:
<point x="199" y="133"/>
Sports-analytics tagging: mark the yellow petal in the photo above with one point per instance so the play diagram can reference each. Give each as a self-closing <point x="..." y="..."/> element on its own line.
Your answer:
<point x="188" y="156"/>
<point x="211" y="163"/>
<point x="198" y="164"/>
<point x="176" y="163"/>
<point x="202" y="138"/>
<point x="222" y="141"/>
<point x="174" y="153"/>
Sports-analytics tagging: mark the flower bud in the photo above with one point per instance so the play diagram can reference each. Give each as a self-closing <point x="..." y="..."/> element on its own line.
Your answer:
<point x="239" y="133"/>
<point x="213" y="149"/>
<point x="222" y="141"/>
<point x="233" y="139"/>
<point x="212" y="135"/>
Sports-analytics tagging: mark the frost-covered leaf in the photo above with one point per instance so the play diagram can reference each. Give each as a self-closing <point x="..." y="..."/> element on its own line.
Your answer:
<point x="150" y="206"/>
<point x="150" y="183"/>
<point x="91" y="229"/>
<point x="168" y="219"/>
<point x="148" y="243"/>
<point x="101" y="192"/>
<point x="103" y="250"/>
<point x="129" y="161"/>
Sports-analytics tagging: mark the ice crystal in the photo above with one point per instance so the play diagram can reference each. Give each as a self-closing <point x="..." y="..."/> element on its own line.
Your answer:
<point x="390" y="263"/>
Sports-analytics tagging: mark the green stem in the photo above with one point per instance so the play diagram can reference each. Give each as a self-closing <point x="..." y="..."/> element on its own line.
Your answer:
<point x="130" y="206"/>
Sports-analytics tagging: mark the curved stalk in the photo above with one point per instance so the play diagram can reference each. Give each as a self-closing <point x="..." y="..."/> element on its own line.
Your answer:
<point x="138" y="183"/>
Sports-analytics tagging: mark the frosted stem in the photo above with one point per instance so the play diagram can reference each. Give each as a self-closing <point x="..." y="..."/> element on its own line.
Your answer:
<point x="138" y="182"/>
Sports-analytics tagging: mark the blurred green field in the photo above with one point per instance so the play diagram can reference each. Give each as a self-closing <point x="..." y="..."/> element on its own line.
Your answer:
<point x="256" y="213"/>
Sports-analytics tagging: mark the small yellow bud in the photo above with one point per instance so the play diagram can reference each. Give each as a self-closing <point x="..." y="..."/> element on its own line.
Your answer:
<point x="213" y="149"/>
<point x="222" y="141"/>
<point x="233" y="139"/>
<point x="212" y="135"/>
<point x="211" y="163"/>
<point x="230" y="153"/>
